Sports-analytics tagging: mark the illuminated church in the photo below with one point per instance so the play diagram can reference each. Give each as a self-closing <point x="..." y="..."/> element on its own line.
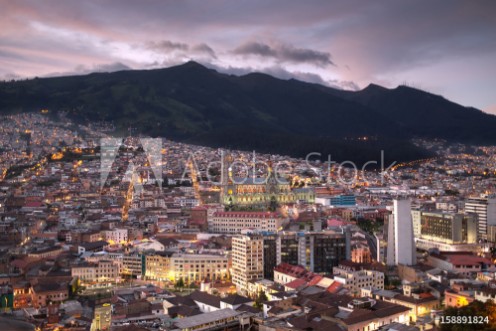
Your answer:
<point x="259" y="193"/>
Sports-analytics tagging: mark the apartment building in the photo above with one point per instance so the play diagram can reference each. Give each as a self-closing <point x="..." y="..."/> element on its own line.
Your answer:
<point x="236" y="221"/>
<point x="355" y="280"/>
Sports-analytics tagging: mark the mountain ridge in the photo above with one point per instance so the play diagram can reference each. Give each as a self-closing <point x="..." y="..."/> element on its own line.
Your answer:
<point x="193" y="103"/>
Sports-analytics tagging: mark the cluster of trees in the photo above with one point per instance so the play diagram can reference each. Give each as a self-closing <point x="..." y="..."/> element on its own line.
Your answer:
<point x="260" y="299"/>
<point x="474" y="309"/>
<point x="180" y="285"/>
<point x="370" y="226"/>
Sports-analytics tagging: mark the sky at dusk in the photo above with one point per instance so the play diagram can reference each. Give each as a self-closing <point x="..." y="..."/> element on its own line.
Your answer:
<point x="444" y="47"/>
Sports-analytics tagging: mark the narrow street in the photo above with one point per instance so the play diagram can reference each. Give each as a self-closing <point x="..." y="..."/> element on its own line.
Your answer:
<point x="129" y="199"/>
<point x="194" y="180"/>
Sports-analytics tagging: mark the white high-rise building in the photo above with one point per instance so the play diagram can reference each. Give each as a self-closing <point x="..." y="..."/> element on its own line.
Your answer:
<point x="401" y="246"/>
<point x="416" y="220"/>
<point x="485" y="208"/>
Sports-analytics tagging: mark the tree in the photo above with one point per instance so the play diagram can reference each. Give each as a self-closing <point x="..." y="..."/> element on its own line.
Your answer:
<point x="260" y="299"/>
<point x="180" y="283"/>
<point x="273" y="204"/>
<point x="476" y="308"/>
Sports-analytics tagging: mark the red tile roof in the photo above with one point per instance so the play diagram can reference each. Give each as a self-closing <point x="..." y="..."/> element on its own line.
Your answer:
<point x="315" y="280"/>
<point x="245" y="214"/>
<point x="297" y="283"/>
<point x="291" y="270"/>
<point x="335" y="287"/>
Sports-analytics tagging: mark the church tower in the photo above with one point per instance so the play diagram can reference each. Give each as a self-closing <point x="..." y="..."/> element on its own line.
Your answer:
<point x="227" y="187"/>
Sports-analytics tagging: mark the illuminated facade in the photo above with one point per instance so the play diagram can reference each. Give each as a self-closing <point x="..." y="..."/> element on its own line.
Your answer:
<point x="457" y="300"/>
<point x="420" y="303"/>
<point x="361" y="254"/>
<point x="235" y="221"/>
<point x="247" y="260"/>
<point x="198" y="267"/>
<point x="102" y="319"/>
<point x="448" y="228"/>
<point x="485" y="208"/>
<point x="116" y="236"/>
<point x="102" y="271"/>
<point x="258" y="193"/>
<point x="132" y="265"/>
<point x="188" y="267"/>
<point x="157" y="266"/>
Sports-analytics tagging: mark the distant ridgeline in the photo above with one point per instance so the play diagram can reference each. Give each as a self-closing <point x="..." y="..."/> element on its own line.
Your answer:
<point x="194" y="104"/>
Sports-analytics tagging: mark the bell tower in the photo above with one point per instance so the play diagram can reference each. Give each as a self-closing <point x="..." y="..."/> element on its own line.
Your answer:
<point x="227" y="187"/>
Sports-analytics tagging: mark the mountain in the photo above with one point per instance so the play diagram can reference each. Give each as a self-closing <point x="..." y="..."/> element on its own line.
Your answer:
<point x="195" y="104"/>
<point x="427" y="115"/>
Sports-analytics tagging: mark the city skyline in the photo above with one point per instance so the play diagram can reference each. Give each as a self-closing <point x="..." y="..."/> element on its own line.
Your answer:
<point x="155" y="176"/>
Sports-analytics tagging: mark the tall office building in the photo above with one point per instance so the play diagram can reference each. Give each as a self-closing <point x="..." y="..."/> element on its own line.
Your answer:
<point x="247" y="260"/>
<point x="401" y="246"/>
<point x="255" y="255"/>
<point x="450" y="228"/>
<point x="271" y="255"/>
<point x="485" y="208"/>
<point x="318" y="252"/>
<point x="447" y="231"/>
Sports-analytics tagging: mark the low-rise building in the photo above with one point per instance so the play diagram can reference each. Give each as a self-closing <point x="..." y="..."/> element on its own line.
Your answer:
<point x="197" y="267"/>
<point x="224" y="318"/>
<point x="44" y="293"/>
<point x="115" y="236"/>
<point x="285" y="273"/>
<point x="101" y="271"/>
<point x="461" y="263"/>
<point x="420" y="303"/>
<point x="485" y="294"/>
<point x="167" y="266"/>
<point x="355" y="280"/>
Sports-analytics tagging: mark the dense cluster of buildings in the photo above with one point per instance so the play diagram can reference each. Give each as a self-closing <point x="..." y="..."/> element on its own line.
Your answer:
<point x="190" y="240"/>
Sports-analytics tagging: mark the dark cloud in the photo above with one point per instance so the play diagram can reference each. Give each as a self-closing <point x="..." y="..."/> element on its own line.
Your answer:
<point x="204" y="48"/>
<point x="281" y="73"/>
<point x="111" y="67"/>
<point x="201" y="49"/>
<point x="256" y="48"/>
<point x="446" y="48"/>
<point x="285" y="53"/>
<point x="167" y="45"/>
<point x="83" y="69"/>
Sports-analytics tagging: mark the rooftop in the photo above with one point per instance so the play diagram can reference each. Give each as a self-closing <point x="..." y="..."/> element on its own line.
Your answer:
<point x="194" y="321"/>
